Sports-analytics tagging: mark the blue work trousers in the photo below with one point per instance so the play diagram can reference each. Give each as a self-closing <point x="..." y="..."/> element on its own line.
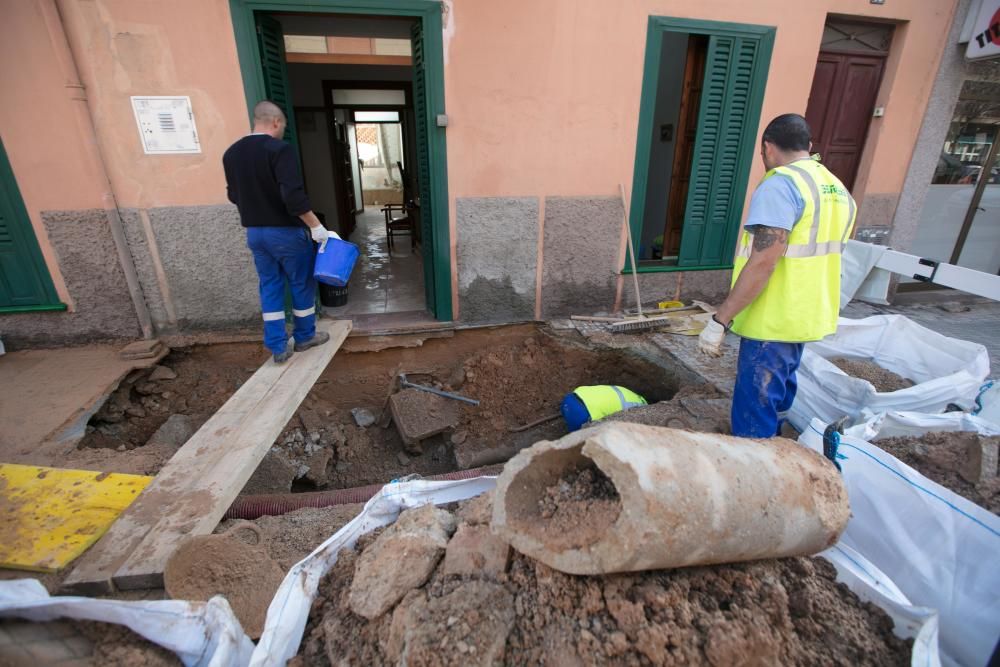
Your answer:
<point x="765" y="387"/>
<point x="285" y="254"/>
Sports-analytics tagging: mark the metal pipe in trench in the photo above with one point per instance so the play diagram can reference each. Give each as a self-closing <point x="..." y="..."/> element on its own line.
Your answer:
<point x="254" y="507"/>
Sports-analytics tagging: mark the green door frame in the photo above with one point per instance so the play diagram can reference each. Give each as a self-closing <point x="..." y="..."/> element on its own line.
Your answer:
<point x="429" y="13"/>
<point x="657" y="26"/>
<point x="24" y="235"/>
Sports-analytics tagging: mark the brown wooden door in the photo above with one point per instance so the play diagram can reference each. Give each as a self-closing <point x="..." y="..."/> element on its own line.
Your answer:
<point x="840" y="109"/>
<point x="687" y="132"/>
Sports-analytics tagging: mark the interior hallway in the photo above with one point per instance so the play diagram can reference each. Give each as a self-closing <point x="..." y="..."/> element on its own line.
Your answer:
<point x="382" y="282"/>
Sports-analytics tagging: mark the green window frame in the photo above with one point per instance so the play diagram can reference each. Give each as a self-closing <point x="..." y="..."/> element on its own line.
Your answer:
<point x="428" y="12"/>
<point x="736" y="71"/>
<point x="25" y="283"/>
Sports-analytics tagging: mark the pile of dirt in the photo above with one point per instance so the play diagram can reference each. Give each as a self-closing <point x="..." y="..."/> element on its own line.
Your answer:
<point x="707" y="413"/>
<point x="117" y="646"/>
<point x="942" y="457"/>
<point x="884" y="380"/>
<point x="291" y="537"/>
<point x="519" y="383"/>
<point x="788" y="611"/>
<point x="581" y="505"/>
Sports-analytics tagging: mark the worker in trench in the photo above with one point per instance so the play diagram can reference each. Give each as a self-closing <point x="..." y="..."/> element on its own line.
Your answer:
<point x="593" y="403"/>
<point x="264" y="181"/>
<point x="786" y="280"/>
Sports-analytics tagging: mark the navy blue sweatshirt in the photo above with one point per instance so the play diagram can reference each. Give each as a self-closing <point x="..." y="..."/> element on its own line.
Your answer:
<point x="263" y="180"/>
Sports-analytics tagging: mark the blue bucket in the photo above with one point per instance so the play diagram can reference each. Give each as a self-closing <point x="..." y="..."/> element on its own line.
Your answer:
<point x="335" y="262"/>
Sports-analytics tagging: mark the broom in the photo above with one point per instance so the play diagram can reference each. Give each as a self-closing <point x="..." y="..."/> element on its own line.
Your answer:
<point x="640" y="322"/>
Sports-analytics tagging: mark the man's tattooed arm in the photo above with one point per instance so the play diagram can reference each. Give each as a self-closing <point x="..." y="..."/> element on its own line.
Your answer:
<point x="765" y="237"/>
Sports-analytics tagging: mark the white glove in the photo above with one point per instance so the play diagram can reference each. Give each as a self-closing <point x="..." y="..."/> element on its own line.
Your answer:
<point x="710" y="340"/>
<point x="319" y="234"/>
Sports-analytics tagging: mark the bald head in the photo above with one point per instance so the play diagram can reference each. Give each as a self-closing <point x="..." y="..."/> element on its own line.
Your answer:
<point x="268" y="118"/>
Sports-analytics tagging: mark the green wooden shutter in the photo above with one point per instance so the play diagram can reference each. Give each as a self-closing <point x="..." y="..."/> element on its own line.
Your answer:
<point x="727" y="126"/>
<point x="24" y="280"/>
<point x="271" y="41"/>
<point x="421" y="115"/>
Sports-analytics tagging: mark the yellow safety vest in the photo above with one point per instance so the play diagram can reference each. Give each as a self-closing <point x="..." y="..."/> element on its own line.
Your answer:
<point x="801" y="301"/>
<point x="603" y="400"/>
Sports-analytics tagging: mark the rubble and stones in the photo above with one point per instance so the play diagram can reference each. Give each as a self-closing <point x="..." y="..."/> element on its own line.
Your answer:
<point x="788" y="611"/>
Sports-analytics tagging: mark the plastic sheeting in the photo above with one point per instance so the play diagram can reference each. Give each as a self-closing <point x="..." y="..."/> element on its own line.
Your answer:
<point x="202" y="634"/>
<point x="945" y="370"/>
<point x="939" y="548"/>
<point x="287" y="615"/>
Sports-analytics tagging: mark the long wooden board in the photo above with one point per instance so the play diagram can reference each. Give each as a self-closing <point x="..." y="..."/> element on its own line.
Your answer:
<point x="199" y="483"/>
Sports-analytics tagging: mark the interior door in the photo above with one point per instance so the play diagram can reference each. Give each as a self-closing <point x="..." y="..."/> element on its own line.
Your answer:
<point x="840" y="108"/>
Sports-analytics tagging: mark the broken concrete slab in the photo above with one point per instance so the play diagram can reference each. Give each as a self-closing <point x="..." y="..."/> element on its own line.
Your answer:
<point x="275" y="474"/>
<point x="982" y="456"/>
<point x="477" y="552"/>
<point x="362" y="417"/>
<point x="143" y="349"/>
<point x="400" y="560"/>
<point x="175" y="431"/>
<point x="418" y="415"/>
<point x="162" y="373"/>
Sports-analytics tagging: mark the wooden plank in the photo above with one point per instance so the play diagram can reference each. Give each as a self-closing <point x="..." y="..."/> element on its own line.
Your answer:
<point x="200" y="482"/>
<point x="347" y="59"/>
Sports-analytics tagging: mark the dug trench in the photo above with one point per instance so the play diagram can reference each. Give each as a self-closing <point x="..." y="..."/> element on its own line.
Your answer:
<point x="519" y="374"/>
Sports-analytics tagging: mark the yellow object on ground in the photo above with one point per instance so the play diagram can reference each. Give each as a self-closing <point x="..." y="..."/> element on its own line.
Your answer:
<point x="49" y="516"/>
<point x="663" y="305"/>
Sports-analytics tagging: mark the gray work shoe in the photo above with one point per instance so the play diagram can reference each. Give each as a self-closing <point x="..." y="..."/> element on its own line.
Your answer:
<point x="318" y="339"/>
<point x="284" y="356"/>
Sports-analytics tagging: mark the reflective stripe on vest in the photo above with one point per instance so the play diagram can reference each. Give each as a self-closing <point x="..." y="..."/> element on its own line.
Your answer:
<point x="801" y="300"/>
<point x="603" y="400"/>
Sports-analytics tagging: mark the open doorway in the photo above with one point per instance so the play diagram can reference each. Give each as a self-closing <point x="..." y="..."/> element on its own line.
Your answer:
<point x="362" y="91"/>
<point x="702" y="90"/>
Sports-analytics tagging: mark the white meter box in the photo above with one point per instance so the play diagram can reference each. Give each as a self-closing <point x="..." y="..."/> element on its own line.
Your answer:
<point x="166" y="124"/>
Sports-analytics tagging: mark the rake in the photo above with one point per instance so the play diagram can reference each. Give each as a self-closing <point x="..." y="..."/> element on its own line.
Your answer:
<point x="639" y="322"/>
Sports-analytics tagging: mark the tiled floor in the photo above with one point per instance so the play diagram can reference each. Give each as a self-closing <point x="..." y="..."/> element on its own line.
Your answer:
<point x="383" y="282"/>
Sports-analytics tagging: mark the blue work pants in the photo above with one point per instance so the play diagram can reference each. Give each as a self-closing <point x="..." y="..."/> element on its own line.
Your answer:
<point x="765" y="387"/>
<point x="285" y="254"/>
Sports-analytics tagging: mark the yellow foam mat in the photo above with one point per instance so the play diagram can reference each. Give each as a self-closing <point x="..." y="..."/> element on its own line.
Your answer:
<point x="49" y="516"/>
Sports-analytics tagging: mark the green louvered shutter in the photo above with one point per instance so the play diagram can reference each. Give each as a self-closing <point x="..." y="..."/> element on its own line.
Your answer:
<point x="727" y="126"/>
<point x="421" y="115"/>
<point x="24" y="280"/>
<point x="271" y="41"/>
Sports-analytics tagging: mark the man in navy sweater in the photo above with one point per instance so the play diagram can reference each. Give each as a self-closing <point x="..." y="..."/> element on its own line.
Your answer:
<point x="263" y="180"/>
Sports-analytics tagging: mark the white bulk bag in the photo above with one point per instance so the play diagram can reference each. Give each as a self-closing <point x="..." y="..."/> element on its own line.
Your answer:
<point x="201" y="634"/>
<point x="945" y="370"/>
<point x="939" y="548"/>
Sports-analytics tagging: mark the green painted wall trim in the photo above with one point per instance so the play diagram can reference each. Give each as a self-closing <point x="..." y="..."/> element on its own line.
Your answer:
<point x="28" y="241"/>
<point x="429" y="13"/>
<point x="656" y="27"/>
<point x="55" y="307"/>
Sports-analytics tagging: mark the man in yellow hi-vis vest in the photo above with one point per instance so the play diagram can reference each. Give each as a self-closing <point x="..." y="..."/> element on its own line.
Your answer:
<point x="786" y="276"/>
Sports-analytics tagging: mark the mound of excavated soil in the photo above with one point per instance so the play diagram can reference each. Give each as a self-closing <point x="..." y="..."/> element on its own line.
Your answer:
<point x="789" y="612"/>
<point x="884" y="380"/>
<point x="940" y="456"/>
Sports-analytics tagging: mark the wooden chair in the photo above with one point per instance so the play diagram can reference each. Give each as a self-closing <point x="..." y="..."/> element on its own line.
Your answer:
<point x="399" y="218"/>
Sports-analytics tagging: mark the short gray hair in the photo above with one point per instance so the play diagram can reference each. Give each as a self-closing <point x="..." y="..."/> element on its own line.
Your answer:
<point x="267" y="111"/>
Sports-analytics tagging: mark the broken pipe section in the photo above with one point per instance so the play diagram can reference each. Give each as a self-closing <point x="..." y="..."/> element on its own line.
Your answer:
<point x="686" y="499"/>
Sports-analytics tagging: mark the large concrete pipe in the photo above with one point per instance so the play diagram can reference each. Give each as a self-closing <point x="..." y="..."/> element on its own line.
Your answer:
<point x="683" y="498"/>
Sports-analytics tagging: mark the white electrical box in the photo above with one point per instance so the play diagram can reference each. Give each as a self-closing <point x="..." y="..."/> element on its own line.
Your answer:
<point x="166" y="124"/>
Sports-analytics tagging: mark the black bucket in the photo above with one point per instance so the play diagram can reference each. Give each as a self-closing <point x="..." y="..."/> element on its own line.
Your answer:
<point x="332" y="297"/>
